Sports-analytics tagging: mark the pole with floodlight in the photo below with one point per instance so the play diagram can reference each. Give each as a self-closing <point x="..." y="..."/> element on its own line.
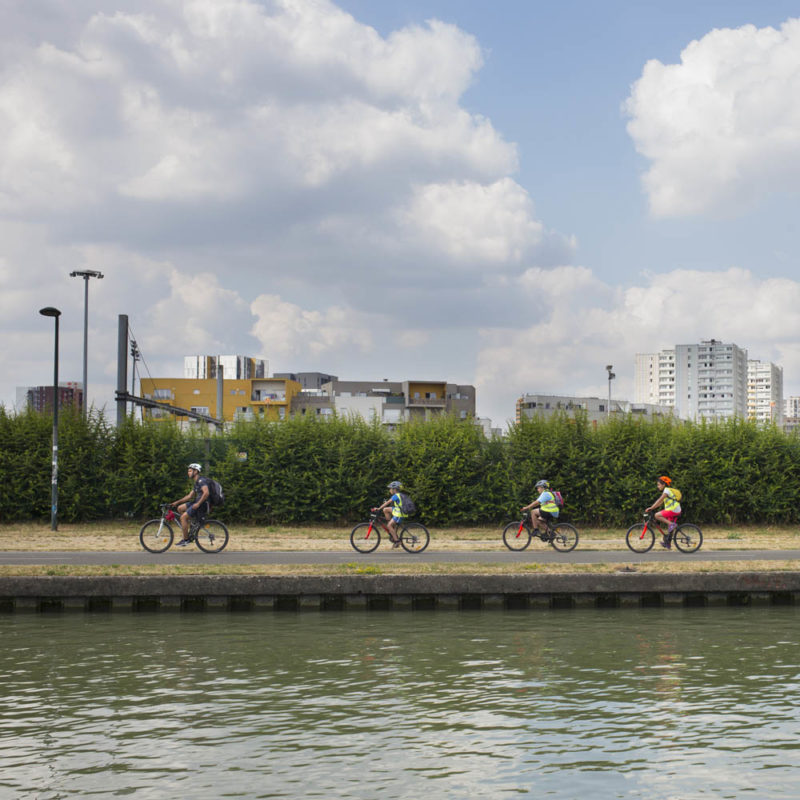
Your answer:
<point x="85" y="274"/>
<point x="611" y="377"/>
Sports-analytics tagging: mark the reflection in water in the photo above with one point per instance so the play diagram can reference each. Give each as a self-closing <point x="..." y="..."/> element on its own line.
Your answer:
<point x="697" y="703"/>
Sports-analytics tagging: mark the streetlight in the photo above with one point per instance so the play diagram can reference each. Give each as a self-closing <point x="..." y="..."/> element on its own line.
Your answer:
<point x="611" y="377"/>
<point x="86" y="274"/>
<point x="49" y="311"/>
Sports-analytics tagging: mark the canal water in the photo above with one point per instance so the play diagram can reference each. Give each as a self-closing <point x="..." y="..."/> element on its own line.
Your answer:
<point x="650" y="703"/>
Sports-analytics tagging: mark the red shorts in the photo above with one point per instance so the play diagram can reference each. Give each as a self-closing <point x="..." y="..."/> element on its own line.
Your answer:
<point x="670" y="516"/>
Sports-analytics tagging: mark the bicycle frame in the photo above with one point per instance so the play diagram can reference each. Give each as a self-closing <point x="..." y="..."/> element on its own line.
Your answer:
<point x="650" y="522"/>
<point x="377" y="517"/>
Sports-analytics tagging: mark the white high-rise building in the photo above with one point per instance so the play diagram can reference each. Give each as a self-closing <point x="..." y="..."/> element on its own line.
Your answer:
<point x="234" y="367"/>
<point x="701" y="381"/>
<point x="764" y="392"/>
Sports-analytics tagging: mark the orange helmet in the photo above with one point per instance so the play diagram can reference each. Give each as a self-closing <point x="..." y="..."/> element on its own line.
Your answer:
<point x="665" y="479"/>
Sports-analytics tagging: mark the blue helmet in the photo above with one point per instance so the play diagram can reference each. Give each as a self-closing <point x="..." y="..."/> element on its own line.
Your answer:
<point x="395" y="485"/>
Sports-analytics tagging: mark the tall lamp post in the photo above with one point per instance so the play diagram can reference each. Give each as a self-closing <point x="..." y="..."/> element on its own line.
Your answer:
<point x="49" y="311"/>
<point x="85" y="274"/>
<point x="611" y="377"/>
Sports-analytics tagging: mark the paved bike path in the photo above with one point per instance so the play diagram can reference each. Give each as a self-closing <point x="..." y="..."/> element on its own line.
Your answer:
<point x="239" y="557"/>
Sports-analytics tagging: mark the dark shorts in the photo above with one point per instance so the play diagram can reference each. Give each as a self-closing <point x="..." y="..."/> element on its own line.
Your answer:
<point x="203" y="511"/>
<point x="548" y="514"/>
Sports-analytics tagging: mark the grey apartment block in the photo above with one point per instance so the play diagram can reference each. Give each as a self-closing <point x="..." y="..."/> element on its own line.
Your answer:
<point x="308" y="380"/>
<point x="595" y="409"/>
<point x="390" y="402"/>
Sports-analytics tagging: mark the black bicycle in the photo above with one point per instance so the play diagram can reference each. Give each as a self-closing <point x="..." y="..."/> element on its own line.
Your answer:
<point x="561" y="535"/>
<point x="641" y="537"/>
<point x="156" y="536"/>
<point x="366" y="536"/>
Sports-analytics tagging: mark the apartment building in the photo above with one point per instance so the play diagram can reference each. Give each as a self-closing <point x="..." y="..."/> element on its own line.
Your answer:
<point x="40" y="398"/>
<point x="312" y="393"/>
<point x="707" y="380"/>
<point x="765" y="392"/>
<point x="791" y="413"/>
<point x="597" y="410"/>
<point x="246" y="391"/>
<point x="390" y="402"/>
<point x="238" y="367"/>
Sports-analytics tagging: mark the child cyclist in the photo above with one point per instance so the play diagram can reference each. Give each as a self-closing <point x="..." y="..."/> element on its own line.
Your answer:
<point x="669" y="498"/>
<point x="394" y="515"/>
<point x="544" y="507"/>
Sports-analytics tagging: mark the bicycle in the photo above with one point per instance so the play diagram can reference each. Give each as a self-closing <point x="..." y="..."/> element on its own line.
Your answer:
<point x="560" y="535"/>
<point x="641" y="537"/>
<point x="156" y="536"/>
<point x="366" y="536"/>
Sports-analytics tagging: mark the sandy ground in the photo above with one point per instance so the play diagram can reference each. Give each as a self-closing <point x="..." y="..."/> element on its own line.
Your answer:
<point x="120" y="536"/>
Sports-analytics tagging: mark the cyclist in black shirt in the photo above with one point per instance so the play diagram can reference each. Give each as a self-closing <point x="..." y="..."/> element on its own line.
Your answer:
<point x="199" y="508"/>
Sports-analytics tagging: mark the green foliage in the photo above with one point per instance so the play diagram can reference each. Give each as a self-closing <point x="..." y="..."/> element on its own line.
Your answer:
<point x="332" y="471"/>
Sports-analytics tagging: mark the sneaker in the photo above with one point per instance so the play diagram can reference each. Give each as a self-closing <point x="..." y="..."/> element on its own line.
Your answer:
<point x="666" y="543"/>
<point x="395" y="543"/>
<point x="671" y="527"/>
<point x="183" y="543"/>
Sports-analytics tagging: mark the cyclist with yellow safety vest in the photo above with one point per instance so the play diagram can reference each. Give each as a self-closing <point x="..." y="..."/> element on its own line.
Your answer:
<point x="670" y="499"/>
<point x="544" y="507"/>
<point x="394" y="515"/>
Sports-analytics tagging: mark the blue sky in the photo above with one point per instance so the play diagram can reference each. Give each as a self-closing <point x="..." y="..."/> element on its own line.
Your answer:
<point x="555" y="79"/>
<point x="509" y="194"/>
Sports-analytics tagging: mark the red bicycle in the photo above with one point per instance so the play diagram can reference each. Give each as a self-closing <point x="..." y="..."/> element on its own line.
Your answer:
<point x="366" y="536"/>
<point x="641" y="537"/>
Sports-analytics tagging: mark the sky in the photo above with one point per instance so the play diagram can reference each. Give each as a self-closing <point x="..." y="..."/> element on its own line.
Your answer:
<point x="510" y="194"/>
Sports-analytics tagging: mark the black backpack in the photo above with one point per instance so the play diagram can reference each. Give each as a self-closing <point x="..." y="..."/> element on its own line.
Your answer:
<point x="407" y="504"/>
<point x="216" y="494"/>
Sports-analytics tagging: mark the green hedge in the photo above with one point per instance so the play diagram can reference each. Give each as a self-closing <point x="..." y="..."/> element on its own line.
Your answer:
<point x="332" y="471"/>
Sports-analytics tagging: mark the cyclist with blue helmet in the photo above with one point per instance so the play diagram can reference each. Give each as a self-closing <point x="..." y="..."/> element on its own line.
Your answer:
<point x="394" y="514"/>
<point x="544" y="507"/>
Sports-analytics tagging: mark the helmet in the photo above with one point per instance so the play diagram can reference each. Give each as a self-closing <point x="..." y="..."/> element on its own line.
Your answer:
<point x="195" y="465"/>
<point x="395" y="485"/>
<point x="666" y="480"/>
<point x="542" y="484"/>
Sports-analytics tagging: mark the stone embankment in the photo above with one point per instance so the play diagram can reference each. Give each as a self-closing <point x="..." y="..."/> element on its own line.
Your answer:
<point x="386" y="592"/>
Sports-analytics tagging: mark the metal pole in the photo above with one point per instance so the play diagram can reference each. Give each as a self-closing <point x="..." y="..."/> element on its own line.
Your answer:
<point x="86" y="274"/>
<point x="55" y="313"/>
<point x="611" y="376"/>
<point x="85" y="343"/>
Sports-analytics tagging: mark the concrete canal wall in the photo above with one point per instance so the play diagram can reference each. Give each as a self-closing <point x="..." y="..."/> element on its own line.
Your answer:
<point x="385" y="592"/>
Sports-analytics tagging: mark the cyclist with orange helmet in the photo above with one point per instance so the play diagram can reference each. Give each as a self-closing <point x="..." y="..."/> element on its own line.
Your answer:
<point x="670" y="499"/>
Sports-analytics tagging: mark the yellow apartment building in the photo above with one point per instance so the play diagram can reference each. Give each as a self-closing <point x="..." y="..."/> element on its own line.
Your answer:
<point x="242" y="398"/>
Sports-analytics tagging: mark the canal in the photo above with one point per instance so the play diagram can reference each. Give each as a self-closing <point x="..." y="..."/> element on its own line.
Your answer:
<point x="636" y="703"/>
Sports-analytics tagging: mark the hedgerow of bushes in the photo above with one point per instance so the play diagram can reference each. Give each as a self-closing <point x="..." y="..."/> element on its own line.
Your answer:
<point x="305" y="470"/>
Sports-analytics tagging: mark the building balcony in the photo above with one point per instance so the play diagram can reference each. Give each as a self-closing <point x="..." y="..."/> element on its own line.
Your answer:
<point x="427" y="402"/>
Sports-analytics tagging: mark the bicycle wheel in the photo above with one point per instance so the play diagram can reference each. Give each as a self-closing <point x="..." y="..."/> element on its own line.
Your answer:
<point x="565" y="537"/>
<point x="156" y="536"/>
<point x="211" y="536"/>
<point x="640" y="538"/>
<point x="516" y="536"/>
<point x="365" y="537"/>
<point x="688" y="538"/>
<point x="414" y="537"/>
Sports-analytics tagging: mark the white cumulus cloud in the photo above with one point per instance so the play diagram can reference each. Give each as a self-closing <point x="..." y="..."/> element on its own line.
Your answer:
<point x="722" y="127"/>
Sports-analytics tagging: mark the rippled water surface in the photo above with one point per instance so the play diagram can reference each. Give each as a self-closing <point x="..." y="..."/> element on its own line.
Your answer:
<point x="694" y="703"/>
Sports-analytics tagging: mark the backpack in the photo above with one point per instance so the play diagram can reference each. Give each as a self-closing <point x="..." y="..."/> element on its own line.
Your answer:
<point x="559" y="500"/>
<point x="676" y="494"/>
<point x="407" y="504"/>
<point x="216" y="494"/>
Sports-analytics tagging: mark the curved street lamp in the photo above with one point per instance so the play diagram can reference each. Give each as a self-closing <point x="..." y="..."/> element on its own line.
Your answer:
<point x="49" y="311"/>
<point x="611" y="377"/>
